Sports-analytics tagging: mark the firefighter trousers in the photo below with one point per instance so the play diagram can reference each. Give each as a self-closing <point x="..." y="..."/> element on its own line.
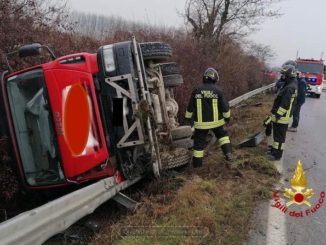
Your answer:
<point x="279" y="136"/>
<point x="200" y="142"/>
<point x="296" y="115"/>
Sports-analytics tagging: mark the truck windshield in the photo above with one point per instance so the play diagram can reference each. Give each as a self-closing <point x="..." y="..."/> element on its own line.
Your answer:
<point x="34" y="128"/>
<point x="311" y="68"/>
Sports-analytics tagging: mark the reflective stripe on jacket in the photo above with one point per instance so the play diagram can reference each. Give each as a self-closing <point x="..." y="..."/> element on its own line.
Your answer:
<point x="284" y="103"/>
<point x="208" y="107"/>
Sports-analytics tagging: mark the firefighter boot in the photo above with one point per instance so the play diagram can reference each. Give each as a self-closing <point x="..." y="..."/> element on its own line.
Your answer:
<point x="227" y="150"/>
<point x="292" y="129"/>
<point x="275" y="155"/>
<point x="197" y="162"/>
<point x="269" y="149"/>
<point x="228" y="157"/>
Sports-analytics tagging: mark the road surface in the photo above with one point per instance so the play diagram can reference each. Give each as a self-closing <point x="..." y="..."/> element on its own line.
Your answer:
<point x="270" y="225"/>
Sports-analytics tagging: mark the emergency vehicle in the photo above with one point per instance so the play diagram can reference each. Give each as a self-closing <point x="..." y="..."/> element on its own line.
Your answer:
<point x="313" y="71"/>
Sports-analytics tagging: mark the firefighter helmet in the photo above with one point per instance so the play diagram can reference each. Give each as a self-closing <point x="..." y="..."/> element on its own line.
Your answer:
<point x="290" y="62"/>
<point x="211" y="76"/>
<point x="288" y="71"/>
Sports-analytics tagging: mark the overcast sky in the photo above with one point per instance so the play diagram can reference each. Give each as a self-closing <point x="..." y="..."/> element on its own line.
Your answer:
<point x="301" y="27"/>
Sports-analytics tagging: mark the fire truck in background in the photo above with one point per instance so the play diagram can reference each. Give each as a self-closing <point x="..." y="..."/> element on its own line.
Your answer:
<point x="313" y="71"/>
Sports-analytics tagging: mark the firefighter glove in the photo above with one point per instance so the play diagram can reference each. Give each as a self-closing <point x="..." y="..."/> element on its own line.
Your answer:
<point x="267" y="121"/>
<point x="268" y="130"/>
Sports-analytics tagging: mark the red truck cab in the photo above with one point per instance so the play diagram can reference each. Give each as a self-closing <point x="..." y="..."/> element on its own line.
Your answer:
<point x="54" y="122"/>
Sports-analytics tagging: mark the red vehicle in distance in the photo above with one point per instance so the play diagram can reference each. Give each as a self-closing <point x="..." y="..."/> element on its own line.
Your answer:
<point x="313" y="71"/>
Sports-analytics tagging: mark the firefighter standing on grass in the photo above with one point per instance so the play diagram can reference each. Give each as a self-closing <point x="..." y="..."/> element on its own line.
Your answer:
<point x="209" y="110"/>
<point x="282" y="112"/>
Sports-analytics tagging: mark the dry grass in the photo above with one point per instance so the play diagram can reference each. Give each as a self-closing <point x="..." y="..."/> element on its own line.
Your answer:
<point x="248" y="120"/>
<point x="216" y="200"/>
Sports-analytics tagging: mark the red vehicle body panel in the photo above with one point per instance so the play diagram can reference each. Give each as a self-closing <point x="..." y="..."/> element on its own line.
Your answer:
<point x="60" y="75"/>
<point x="58" y="78"/>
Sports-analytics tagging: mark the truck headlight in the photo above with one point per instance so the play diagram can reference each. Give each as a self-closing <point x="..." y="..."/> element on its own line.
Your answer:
<point x="108" y="57"/>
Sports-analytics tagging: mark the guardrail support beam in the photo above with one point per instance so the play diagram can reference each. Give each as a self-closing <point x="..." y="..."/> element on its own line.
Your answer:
<point x="126" y="201"/>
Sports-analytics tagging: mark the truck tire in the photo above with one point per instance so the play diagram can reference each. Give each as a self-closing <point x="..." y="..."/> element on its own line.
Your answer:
<point x="317" y="96"/>
<point x="156" y="51"/>
<point x="175" y="158"/>
<point x="170" y="69"/>
<point x="181" y="132"/>
<point x="185" y="143"/>
<point x="172" y="80"/>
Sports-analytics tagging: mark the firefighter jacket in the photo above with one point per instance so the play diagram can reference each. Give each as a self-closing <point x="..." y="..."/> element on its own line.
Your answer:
<point x="284" y="103"/>
<point x="302" y="89"/>
<point x="208" y="107"/>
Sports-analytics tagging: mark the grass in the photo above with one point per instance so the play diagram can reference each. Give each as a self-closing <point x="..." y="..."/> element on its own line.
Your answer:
<point x="247" y="120"/>
<point x="210" y="205"/>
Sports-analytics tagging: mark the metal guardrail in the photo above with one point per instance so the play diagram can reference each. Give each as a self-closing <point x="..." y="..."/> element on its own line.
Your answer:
<point x="250" y="94"/>
<point x="39" y="224"/>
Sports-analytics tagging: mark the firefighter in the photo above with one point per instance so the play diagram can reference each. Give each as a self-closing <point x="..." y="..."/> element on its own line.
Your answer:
<point x="210" y="111"/>
<point x="282" y="112"/>
<point x="302" y="90"/>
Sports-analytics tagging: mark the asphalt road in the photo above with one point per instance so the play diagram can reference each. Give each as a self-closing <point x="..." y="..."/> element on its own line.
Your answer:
<point x="270" y="225"/>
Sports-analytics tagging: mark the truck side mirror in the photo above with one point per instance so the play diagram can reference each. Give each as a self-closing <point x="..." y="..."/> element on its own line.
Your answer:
<point x="30" y="50"/>
<point x="27" y="51"/>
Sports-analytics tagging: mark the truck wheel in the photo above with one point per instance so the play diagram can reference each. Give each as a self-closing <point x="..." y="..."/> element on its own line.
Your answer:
<point x="317" y="96"/>
<point x="170" y="69"/>
<point x="185" y="143"/>
<point x="175" y="158"/>
<point x="172" y="80"/>
<point x="181" y="132"/>
<point x="156" y="51"/>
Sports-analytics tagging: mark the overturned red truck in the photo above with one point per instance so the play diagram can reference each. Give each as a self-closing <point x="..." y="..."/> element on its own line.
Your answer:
<point x="87" y="116"/>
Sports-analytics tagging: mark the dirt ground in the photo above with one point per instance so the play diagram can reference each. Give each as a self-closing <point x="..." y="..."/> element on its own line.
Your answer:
<point x="210" y="205"/>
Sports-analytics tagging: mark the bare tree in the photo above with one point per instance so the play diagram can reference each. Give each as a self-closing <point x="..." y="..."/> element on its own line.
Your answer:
<point x="212" y="19"/>
<point x="262" y="52"/>
<point x="28" y="21"/>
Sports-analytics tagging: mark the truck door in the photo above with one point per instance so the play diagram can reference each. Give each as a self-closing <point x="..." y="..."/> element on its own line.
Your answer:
<point x="76" y="115"/>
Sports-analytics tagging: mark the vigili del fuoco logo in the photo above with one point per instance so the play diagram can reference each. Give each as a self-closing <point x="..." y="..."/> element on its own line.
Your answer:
<point x="298" y="195"/>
